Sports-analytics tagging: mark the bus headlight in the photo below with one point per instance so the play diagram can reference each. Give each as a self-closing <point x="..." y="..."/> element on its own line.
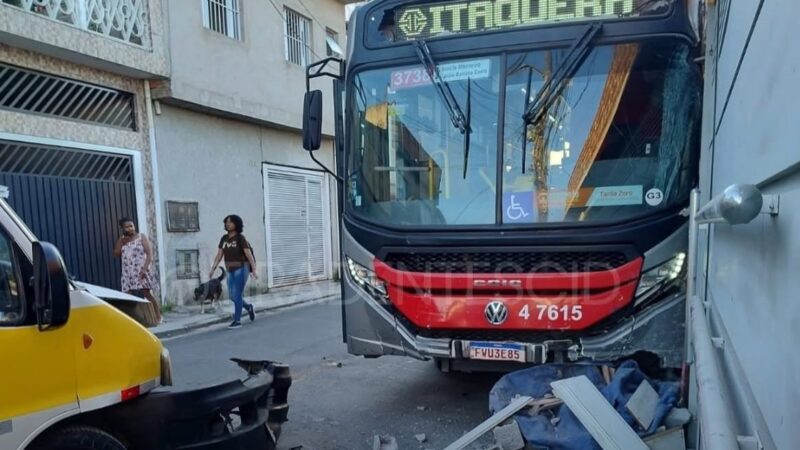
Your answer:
<point x="368" y="281"/>
<point x="661" y="275"/>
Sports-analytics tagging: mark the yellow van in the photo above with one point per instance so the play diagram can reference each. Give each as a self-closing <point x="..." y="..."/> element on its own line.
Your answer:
<point x="77" y="373"/>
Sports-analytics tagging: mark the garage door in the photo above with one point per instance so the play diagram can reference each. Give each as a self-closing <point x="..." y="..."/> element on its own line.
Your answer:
<point x="298" y="237"/>
<point x="72" y="198"/>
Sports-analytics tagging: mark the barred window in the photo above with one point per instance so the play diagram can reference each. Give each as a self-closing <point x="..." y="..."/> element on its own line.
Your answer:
<point x="223" y="17"/>
<point x="298" y="38"/>
<point x="188" y="264"/>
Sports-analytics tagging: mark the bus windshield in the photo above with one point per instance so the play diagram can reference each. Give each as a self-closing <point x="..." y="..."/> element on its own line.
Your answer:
<point x="616" y="141"/>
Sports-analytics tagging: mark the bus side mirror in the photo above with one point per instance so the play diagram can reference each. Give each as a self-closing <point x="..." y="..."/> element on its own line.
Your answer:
<point x="50" y="286"/>
<point x="312" y="120"/>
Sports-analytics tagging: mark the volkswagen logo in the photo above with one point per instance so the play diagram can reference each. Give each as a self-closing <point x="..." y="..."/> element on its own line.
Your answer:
<point x="496" y="313"/>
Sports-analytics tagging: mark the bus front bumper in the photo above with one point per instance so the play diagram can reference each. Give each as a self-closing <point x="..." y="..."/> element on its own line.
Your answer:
<point x="372" y="331"/>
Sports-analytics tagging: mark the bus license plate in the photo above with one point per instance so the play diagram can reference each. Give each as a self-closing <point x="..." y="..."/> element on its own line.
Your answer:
<point x="489" y="351"/>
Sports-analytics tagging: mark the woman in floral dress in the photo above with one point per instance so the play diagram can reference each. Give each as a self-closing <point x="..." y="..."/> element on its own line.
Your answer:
<point x="137" y="256"/>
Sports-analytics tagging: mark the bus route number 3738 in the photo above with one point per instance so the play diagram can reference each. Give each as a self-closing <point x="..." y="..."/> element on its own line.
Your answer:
<point x="566" y="313"/>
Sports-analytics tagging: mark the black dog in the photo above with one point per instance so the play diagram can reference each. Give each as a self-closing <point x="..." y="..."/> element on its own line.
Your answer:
<point x="210" y="291"/>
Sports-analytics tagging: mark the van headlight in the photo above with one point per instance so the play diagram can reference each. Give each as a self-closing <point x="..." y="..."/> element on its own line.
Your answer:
<point x="166" y="367"/>
<point x="368" y="281"/>
<point x="661" y="275"/>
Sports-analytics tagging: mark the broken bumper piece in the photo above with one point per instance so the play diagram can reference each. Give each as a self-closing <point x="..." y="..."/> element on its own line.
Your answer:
<point x="241" y="414"/>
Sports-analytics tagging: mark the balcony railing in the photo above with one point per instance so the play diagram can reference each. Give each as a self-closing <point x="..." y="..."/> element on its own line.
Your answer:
<point x="124" y="20"/>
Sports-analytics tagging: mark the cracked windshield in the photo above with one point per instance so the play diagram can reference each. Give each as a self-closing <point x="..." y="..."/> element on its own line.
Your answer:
<point x="615" y="140"/>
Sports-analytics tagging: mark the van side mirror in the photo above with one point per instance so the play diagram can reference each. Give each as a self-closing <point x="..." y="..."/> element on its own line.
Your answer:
<point x="50" y="286"/>
<point x="312" y="120"/>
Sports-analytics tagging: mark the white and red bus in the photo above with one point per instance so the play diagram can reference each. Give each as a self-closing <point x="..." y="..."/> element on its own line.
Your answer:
<point x="514" y="178"/>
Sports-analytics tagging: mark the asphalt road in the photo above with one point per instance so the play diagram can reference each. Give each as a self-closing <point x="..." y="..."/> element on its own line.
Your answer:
<point x="334" y="407"/>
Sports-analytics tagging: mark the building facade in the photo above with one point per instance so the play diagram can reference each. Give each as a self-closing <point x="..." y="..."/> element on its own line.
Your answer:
<point x="228" y="139"/>
<point x="75" y="141"/>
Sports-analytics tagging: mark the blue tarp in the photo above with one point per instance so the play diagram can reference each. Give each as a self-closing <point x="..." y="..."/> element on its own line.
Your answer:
<point x="569" y="433"/>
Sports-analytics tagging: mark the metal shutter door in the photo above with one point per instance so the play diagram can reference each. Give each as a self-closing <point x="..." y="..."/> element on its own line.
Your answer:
<point x="72" y="198"/>
<point x="287" y="228"/>
<point x="316" y="229"/>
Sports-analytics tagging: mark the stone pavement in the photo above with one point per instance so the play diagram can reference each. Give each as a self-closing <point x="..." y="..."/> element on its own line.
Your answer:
<point x="189" y="318"/>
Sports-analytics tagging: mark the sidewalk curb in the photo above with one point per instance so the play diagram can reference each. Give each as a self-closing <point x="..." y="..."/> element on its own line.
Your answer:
<point x="217" y="318"/>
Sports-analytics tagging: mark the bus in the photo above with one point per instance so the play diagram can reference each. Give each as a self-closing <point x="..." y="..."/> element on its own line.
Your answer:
<point x="514" y="178"/>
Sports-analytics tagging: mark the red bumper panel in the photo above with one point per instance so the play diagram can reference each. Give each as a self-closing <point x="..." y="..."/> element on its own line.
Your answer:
<point x="550" y="301"/>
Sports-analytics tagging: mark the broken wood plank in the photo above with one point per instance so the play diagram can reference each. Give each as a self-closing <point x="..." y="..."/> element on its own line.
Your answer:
<point x="602" y="421"/>
<point x="606" y="374"/>
<point x="643" y="403"/>
<point x="487" y="425"/>
<point x="544" y="404"/>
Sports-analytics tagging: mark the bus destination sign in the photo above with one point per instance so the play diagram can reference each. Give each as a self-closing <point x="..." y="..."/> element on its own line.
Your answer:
<point x="439" y="19"/>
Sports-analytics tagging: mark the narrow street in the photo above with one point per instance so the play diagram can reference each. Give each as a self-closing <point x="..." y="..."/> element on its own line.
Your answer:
<point x="335" y="407"/>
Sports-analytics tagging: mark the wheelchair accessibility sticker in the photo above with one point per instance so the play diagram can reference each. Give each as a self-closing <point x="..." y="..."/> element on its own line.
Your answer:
<point x="518" y="207"/>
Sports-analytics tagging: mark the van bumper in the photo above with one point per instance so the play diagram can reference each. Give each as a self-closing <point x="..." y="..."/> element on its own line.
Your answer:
<point x="241" y="414"/>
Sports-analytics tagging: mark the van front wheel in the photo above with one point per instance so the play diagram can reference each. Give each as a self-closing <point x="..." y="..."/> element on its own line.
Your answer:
<point x="80" y="438"/>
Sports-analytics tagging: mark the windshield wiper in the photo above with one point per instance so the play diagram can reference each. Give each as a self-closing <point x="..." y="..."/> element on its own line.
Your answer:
<point x="460" y="120"/>
<point x="555" y="84"/>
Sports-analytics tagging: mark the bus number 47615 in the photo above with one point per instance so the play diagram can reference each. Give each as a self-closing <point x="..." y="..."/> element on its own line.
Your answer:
<point x="554" y="312"/>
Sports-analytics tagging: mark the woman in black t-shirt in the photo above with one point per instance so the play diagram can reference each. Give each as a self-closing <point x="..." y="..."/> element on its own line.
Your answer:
<point x="240" y="263"/>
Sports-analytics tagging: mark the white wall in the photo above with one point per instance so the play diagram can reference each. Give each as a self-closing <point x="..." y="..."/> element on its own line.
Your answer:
<point x="218" y="163"/>
<point x="249" y="77"/>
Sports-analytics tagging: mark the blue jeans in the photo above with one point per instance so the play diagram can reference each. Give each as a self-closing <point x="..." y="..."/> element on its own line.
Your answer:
<point x="236" y="282"/>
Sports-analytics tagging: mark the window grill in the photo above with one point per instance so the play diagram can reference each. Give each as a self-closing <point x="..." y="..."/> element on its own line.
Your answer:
<point x="723" y="13"/>
<point x="39" y="93"/>
<point x="34" y="159"/>
<point x="223" y="17"/>
<point x="298" y="38"/>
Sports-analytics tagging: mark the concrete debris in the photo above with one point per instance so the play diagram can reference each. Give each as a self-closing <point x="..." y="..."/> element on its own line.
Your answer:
<point x="384" y="443"/>
<point x="643" y="403"/>
<point x="677" y="417"/>
<point x="673" y="439"/>
<point x="421" y="438"/>
<point x="508" y="437"/>
<point x="483" y="447"/>
<point x="499" y="417"/>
